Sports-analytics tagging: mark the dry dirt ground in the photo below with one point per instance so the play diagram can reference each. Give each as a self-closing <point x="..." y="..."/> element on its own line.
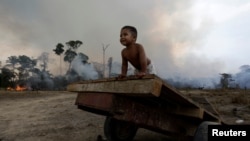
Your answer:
<point x="53" y="116"/>
<point x="232" y="106"/>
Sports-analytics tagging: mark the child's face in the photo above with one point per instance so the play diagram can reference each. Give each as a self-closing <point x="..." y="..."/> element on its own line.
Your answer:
<point x="126" y="37"/>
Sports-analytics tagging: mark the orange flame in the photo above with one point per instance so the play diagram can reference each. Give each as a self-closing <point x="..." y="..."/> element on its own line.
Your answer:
<point x="19" y="88"/>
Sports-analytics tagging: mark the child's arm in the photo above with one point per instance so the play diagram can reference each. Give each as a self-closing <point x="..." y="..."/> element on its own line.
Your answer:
<point x="124" y="67"/>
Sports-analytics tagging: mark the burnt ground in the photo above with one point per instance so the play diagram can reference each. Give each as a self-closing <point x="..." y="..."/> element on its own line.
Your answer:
<point x="53" y="116"/>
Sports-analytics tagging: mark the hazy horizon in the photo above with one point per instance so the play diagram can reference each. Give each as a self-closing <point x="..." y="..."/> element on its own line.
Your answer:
<point x="186" y="38"/>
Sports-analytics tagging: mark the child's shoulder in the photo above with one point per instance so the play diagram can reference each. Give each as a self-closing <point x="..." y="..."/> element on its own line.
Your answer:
<point x="139" y="46"/>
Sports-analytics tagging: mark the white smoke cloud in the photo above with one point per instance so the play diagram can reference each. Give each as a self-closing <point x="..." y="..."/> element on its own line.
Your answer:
<point x="242" y="78"/>
<point x="171" y="31"/>
<point x="86" y="71"/>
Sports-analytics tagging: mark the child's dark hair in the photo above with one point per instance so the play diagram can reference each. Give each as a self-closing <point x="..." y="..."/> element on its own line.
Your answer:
<point x="132" y="29"/>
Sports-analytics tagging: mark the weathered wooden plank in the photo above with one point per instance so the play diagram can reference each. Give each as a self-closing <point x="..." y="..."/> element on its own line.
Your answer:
<point x="150" y="85"/>
<point x="189" y="112"/>
<point x="153" y="118"/>
<point x="101" y="101"/>
<point x="131" y="77"/>
<point x="141" y="87"/>
<point x="203" y="102"/>
<point x="171" y="95"/>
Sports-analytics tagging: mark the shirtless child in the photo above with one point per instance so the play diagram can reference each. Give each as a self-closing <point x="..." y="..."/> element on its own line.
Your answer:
<point x="133" y="53"/>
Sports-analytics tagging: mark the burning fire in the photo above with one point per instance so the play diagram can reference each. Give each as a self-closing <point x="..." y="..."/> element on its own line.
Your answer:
<point x="18" y="88"/>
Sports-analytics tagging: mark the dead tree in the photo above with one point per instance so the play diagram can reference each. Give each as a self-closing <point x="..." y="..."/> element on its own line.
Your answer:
<point x="104" y="47"/>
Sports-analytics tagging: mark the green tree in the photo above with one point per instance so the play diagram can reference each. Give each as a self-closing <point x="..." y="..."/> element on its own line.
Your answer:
<point x="224" y="81"/>
<point x="7" y="77"/>
<point x="12" y="63"/>
<point x="71" y="52"/>
<point x="83" y="57"/>
<point x="74" y="45"/>
<point x="59" y="50"/>
<point x="69" y="56"/>
<point x="26" y="66"/>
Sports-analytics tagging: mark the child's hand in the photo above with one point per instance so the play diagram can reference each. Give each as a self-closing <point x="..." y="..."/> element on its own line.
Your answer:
<point x="140" y="74"/>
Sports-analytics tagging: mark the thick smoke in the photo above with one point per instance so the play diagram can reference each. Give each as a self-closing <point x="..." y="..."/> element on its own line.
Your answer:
<point x="85" y="71"/>
<point x="242" y="78"/>
<point x="165" y="28"/>
<point x="41" y="81"/>
<point x="197" y="83"/>
<point x="168" y="30"/>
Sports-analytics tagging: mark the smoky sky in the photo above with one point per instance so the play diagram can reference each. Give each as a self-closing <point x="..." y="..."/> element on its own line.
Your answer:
<point x="165" y="28"/>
